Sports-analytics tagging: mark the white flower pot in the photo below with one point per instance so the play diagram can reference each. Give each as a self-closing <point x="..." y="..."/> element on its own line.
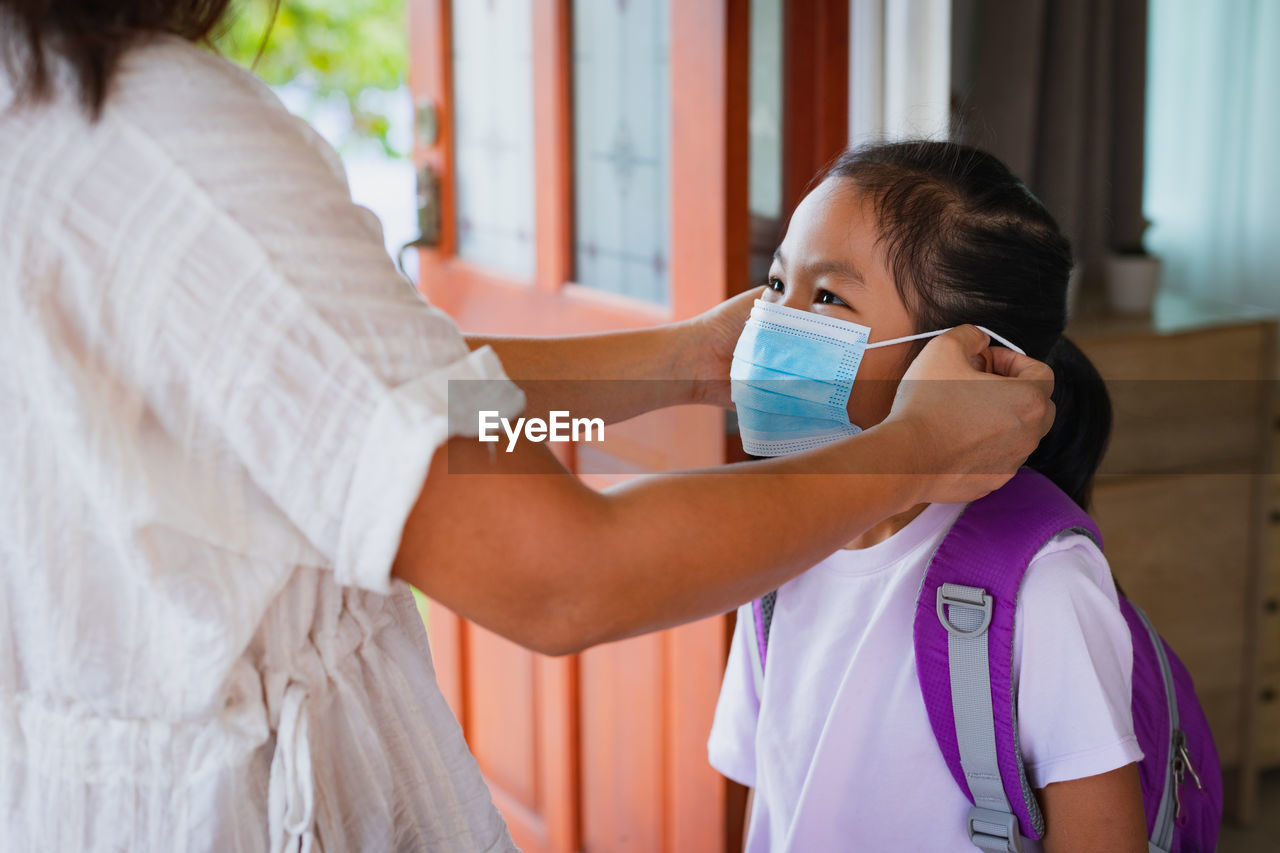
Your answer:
<point x="1132" y="281"/>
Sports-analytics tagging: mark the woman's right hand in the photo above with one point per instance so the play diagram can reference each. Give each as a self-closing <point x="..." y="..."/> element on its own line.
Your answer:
<point x="974" y="413"/>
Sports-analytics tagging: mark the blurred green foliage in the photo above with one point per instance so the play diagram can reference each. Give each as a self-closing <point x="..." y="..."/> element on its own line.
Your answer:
<point x="334" y="47"/>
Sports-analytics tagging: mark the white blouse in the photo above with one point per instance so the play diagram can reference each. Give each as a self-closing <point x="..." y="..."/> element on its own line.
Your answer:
<point x="218" y="402"/>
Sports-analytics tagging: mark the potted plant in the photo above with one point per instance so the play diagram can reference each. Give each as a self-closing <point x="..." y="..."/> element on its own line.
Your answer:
<point x="1132" y="278"/>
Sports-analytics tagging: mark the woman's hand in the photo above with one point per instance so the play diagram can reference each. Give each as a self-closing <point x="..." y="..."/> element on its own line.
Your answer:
<point x="618" y="375"/>
<point x="975" y="412"/>
<point x="709" y="339"/>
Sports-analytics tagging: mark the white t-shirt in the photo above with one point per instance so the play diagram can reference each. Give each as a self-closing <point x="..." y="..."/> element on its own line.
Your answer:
<point x="837" y="744"/>
<point x="218" y="402"/>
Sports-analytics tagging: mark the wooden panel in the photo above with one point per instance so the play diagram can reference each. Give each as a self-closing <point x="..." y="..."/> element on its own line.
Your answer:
<point x="1269" y="693"/>
<point x="1233" y="352"/>
<point x="710" y="226"/>
<point x="1179" y="546"/>
<point x="816" y="92"/>
<point x="535" y="787"/>
<point x="1273" y="436"/>
<point x="1183" y="401"/>
<point x="552" y="147"/>
<point x="696" y="656"/>
<point x="1251" y="733"/>
<point x="1271" y="580"/>
<point x="623" y="775"/>
<point x="1269" y="717"/>
<point x="647" y="707"/>
<point x="502" y="722"/>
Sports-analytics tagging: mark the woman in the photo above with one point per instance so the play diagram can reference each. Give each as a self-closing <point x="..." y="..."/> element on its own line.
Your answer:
<point x="227" y="432"/>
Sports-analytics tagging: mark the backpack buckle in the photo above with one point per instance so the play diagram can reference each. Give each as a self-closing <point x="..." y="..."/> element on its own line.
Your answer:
<point x="994" y="832"/>
<point x="970" y="605"/>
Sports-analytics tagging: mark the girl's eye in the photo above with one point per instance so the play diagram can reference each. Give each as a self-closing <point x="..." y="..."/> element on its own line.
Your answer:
<point x="826" y="297"/>
<point x="775" y="285"/>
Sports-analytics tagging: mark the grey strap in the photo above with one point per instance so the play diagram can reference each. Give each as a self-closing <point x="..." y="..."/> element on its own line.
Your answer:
<point x="1162" y="833"/>
<point x="965" y="611"/>
<point x="747" y="614"/>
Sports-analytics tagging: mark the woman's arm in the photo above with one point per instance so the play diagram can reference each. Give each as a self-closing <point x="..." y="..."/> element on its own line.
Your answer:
<point x="617" y="375"/>
<point x="556" y="566"/>
<point x="1097" y="814"/>
<point x="542" y="559"/>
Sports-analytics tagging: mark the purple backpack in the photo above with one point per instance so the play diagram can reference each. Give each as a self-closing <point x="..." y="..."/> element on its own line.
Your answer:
<point x="964" y="661"/>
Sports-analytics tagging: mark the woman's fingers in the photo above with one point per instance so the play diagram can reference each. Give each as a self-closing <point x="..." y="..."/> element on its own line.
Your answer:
<point x="976" y="344"/>
<point x="1006" y="362"/>
<point x="713" y="335"/>
<point x="969" y="338"/>
<point x="973" y="434"/>
<point x="723" y="324"/>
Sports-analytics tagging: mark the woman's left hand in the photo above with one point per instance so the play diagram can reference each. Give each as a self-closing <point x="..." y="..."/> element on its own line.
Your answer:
<point x="711" y="336"/>
<point x="689" y="358"/>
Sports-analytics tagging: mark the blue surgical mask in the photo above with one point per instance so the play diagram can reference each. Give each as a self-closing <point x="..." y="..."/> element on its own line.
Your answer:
<point x="791" y="376"/>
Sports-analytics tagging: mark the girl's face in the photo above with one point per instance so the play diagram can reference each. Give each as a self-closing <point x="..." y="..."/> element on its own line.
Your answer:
<point x="831" y="262"/>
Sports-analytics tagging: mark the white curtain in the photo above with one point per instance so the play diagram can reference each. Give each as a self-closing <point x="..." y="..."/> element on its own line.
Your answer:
<point x="1212" y="166"/>
<point x="899" y="69"/>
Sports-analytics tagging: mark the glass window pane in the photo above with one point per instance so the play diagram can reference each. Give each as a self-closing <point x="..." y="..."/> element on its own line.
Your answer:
<point x="765" y="134"/>
<point x="621" y="170"/>
<point x="766" y="108"/>
<point x="493" y="134"/>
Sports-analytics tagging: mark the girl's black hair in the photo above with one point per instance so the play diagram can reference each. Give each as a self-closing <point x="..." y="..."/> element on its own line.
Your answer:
<point x="967" y="242"/>
<point x="91" y="36"/>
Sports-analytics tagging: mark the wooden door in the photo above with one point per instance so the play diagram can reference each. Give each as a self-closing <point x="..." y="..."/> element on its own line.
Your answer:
<point x="605" y="751"/>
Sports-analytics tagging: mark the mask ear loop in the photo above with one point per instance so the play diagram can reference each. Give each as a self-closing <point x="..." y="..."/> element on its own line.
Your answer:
<point x="997" y="338"/>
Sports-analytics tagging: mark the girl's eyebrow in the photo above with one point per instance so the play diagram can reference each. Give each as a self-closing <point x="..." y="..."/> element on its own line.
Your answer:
<point x="840" y="269"/>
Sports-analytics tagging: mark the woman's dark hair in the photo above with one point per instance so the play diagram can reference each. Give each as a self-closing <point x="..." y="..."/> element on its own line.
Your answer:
<point x="967" y="242"/>
<point x="91" y="36"/>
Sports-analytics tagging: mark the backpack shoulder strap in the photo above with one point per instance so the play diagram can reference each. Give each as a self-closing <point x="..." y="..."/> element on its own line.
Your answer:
<point x="963" y="632"/>
<point x="761" y="614"/>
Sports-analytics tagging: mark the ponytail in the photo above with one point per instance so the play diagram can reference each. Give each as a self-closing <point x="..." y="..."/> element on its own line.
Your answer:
<point x="1070" y="453"/>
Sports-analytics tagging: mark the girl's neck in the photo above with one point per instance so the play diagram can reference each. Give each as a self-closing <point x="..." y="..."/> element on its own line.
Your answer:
<point x="885" y="529"/>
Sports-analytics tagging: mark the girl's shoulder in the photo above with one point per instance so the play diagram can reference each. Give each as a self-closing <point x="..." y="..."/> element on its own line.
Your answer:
<point x="1070" y="557"/>
<point x="1068" y="584"/>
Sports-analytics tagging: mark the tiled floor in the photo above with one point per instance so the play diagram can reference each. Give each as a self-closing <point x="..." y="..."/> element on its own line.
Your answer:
<point x="1264" y="835"/>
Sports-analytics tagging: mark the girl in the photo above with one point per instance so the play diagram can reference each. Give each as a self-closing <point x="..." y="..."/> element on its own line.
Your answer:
<point x="834" y="740"/>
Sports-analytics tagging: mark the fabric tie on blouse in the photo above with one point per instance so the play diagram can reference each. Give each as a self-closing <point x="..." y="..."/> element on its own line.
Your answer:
<point x="291" y="798"/>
